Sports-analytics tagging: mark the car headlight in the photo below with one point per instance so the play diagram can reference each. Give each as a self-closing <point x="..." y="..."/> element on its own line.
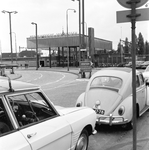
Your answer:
<point x="121" y="110"/>
<point x="79" y="104"/>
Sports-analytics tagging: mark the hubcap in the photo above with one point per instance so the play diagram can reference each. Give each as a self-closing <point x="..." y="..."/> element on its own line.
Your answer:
<point x="82" y="143"/>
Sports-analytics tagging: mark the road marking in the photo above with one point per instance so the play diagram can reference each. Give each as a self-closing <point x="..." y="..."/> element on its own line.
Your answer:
<point x="62" y="85"/>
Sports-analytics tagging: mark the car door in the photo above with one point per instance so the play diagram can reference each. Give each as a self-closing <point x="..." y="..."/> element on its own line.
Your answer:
<point x="10" y="137"/>
<point x="53" y="134"/>
<point x="140" y="91"/>
<point x="40" y="123"/>
<point x="142" y="101"/>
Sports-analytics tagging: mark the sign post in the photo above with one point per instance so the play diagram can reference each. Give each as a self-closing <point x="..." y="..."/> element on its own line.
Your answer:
<point x="133" y="4"/>
<point x="85" y="66"/>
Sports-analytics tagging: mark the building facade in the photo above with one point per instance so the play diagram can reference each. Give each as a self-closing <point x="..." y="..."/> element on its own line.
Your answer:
<point x="66" y="47"/>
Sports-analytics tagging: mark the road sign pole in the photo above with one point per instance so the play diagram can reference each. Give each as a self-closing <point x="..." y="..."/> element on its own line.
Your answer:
<point x="133" y="4"/>
<point x="133" y="21"/>
<point x="133" y="54"/>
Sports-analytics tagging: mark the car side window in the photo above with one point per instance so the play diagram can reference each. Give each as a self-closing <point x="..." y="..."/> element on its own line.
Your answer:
<point x="137" y="81"/>
<point x="5" y="123"/>
<point x="141" y="79"/>
<point x="31" y="108"/>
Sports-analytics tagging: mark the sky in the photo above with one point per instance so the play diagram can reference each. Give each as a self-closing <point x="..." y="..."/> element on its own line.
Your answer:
<point x="50" y="16"/>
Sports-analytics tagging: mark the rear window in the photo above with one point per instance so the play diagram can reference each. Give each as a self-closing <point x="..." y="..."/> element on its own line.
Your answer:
<point x="107" y="81"/>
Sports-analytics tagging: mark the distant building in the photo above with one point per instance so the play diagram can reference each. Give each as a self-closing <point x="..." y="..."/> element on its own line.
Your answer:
<point x="59" y="44"/>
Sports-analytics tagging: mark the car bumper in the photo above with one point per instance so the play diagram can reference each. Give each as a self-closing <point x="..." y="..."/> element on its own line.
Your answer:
<point x="111" y="120"/>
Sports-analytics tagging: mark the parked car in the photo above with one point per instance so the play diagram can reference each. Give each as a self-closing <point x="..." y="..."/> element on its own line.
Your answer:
<point x="146" y="73"/>
<point x="144" y="65"/>
<point x="109" y="93"/>
<point x="129" y="64"/>
<point x="30" y="121"/>
<point x="138" y="64"/>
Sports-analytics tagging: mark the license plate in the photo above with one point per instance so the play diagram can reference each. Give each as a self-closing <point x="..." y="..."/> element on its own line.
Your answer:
<point x="99" y="111"/>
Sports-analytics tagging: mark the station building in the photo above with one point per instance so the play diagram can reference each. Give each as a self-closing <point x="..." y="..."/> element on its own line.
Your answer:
<point x="62" y="46"/>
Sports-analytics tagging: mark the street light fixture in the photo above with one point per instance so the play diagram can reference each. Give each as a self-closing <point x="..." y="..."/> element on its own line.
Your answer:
<point x="37" y="63"/>
<point x="10" y="12"/>
<point x="67" y="37"/>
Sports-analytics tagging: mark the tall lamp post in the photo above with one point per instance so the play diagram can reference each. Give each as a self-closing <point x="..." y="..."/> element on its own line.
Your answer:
<point x="67" y="36"/>
<point x="15" y="45"/>
<point x="37" y="63"/>
<point x="86" y="29"/>
<point x="10" y="12"/>
<point x="79" y="29"/>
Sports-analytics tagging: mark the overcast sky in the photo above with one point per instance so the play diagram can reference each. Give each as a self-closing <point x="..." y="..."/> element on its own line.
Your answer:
<point x="50" y="15"/>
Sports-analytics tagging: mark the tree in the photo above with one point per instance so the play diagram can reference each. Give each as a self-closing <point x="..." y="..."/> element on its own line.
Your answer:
<point x="119" y="48"/>
<point x="146" y="49"/>
<point x="126" y="47"/>
<point x="140" y="45"/>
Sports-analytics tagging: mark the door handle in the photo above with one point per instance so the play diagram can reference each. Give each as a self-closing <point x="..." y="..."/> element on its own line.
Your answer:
<point x="31" y="135"/>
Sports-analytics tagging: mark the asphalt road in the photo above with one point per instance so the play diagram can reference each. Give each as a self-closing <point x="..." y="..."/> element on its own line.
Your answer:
<point x="63" y="89"/>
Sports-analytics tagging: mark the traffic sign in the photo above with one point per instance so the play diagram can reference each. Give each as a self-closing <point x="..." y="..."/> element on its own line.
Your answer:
<point x="122" y="15"/>
<point x="126" y="5"/>
<point x="85" y="66"/>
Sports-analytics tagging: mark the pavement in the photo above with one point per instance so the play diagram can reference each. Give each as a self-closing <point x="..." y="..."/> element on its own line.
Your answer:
<point x="72" y="70"/>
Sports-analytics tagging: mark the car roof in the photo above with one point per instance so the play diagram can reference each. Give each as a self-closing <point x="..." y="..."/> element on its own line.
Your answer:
<point x="125" y="69"/>
<point x="120" y="72"/>
<point x="13" y="85"/>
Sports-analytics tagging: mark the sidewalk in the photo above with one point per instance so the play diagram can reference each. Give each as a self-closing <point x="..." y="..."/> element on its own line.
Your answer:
<point x="72" y="70"/>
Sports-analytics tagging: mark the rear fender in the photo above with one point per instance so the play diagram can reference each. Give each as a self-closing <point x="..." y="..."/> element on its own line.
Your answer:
<point x="127" y="103"/>
<point x="147" y="95"/>
<point x="81" y="100"/>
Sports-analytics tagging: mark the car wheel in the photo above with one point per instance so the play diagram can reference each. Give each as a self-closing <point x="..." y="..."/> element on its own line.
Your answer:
<point x="82" y="143"/>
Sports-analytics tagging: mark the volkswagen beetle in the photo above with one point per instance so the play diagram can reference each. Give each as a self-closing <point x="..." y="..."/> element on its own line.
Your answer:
<point x="109" y="93"/>
<point x="29" y="120"/>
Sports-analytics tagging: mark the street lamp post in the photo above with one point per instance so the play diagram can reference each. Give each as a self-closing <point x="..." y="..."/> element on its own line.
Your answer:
<point x="67" y="37"/>
<point x="37" y="63"/>
<point x="83" y="43"/>
<point x="79" y="29"/>
<point x="15" y="45"/>
<point x="86" y="32"/>
<point x="10" y="12"/>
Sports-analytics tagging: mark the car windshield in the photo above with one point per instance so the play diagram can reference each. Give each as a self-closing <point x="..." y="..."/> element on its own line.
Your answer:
<point x="107" y="81"/>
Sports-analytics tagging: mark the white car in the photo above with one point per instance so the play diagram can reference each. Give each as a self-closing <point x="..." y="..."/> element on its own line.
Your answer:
<point x="146" y="73"/>
<point x="29" y="120"/>
<point x="109" y="93"/>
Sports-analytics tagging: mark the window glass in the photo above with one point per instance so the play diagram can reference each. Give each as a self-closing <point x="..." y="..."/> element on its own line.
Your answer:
<point x="107" y="81"/>
<point x="141" y="79"/>
<point x="137" y="82"/>
<point x="31" y="107"/>
<point x="5" y="124"/>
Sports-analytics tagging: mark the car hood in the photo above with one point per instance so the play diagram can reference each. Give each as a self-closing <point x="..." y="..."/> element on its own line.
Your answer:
<point x="68" y="110"/>
<point x="108" y="99"/>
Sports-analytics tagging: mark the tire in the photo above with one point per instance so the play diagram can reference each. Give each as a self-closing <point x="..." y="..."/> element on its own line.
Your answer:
<point x="82" y="143"/>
